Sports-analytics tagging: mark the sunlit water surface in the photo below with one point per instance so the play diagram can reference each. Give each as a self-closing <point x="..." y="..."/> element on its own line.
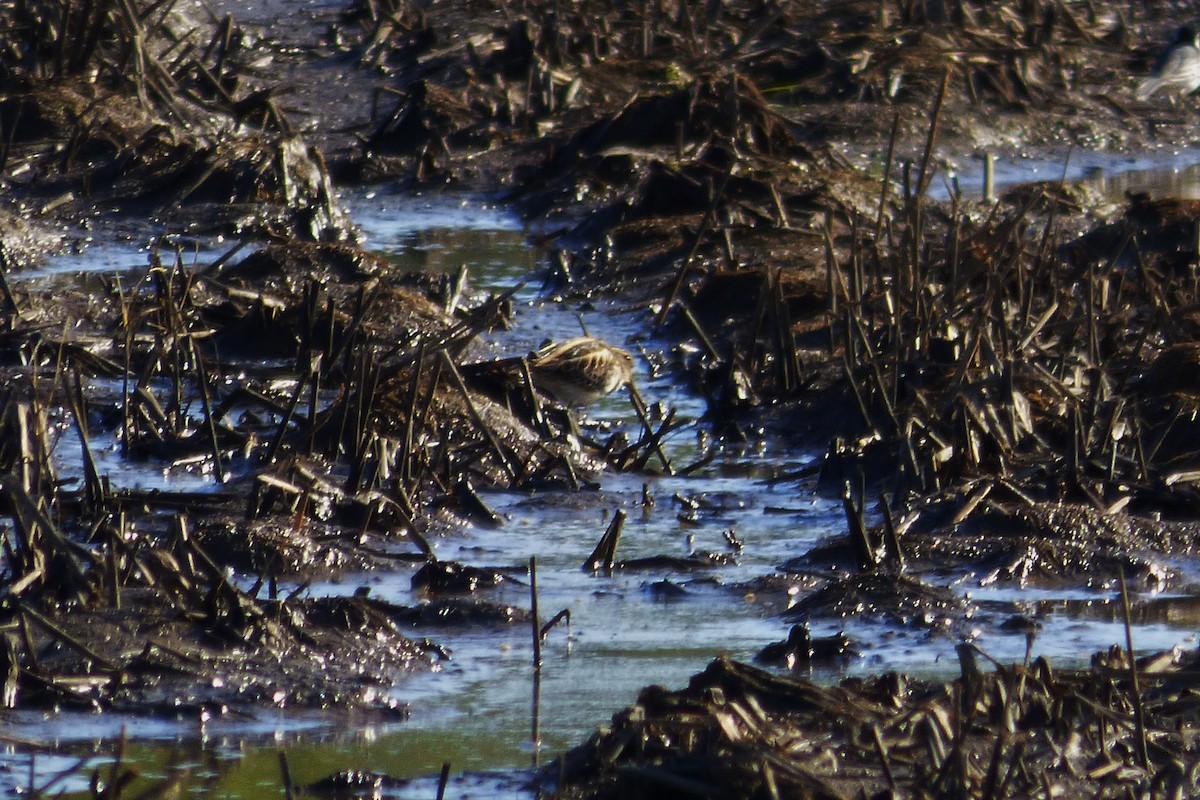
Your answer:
<point x="1167" y="172"/>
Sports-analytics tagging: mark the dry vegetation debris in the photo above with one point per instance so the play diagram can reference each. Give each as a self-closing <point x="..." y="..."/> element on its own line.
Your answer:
<point x="1025" y="730"/>
<point x="963" y="341"/>
<point x="1013" y="377"/>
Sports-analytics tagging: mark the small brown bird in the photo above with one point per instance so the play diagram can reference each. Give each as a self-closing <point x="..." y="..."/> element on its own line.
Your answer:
<point x="581" y="370"/>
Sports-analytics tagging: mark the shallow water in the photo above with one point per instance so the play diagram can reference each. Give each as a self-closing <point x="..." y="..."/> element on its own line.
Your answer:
<point x="1169" y="172"/>
<point x="477" y="712"/>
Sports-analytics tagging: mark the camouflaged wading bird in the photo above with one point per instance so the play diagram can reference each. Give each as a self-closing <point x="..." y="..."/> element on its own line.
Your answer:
<point x="1177" y="68"/>
<point x="581" y="370"/>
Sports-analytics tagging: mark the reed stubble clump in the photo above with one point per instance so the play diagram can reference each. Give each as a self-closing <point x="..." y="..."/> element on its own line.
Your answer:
<point x="152" y="109"/>
<point x="329" y="397"/>
<point x="360" y="442"/>
<point x="764" y="177"/>
<point x="1010" y="378"/>
<point x="1023" y="730"/>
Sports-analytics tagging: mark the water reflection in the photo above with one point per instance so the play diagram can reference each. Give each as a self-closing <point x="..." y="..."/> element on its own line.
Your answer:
<point x="1182" y="183"/>
<point x="1178" y="611"/>
<point x="1169" y="173"/>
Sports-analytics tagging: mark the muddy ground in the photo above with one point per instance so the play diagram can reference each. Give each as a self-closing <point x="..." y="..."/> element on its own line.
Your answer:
<point x="1004" y="384"/>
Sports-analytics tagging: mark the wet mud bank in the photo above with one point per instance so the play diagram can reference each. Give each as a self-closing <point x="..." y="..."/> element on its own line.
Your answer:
<point x="1002" y="388"/>
<point x="1024" y="730"/>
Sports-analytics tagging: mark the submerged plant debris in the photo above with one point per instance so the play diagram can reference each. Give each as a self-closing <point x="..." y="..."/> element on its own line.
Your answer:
<point x="1004" y="387"/>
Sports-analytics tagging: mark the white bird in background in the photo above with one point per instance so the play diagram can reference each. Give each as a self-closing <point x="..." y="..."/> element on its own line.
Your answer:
<point x="1177" y="68"/>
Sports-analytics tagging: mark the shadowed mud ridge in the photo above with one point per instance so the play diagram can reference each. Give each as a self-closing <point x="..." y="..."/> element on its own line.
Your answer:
<point x="840" y="68"/>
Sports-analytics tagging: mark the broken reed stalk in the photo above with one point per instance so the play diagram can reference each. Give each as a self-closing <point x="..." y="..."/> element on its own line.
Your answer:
<point x="535" y="402"/>
<point x="561" y="616"/>
<point x="1139" y="714"/>
<point x="457" y="379"/>
<point x="40" y="533"/>
<point x="891" y="536"/>
<point x="533" y="613"/>
<point x="992" y="778"/>
<point x="206" y="404"/>
<point x="860" y="541"/>
<point x="51" y="785"/>
<point x="852" y="382"/>
<point x="410" y="420"/>
<point x="115" y="772"/>
<point x="710" y="215"/>
<point x="886" y="183"/>
<point x="694" y="324"/>
<point x="7" y="302"/>
<point x="364" y="435"/>
<point x="833" y="282"/>
<point x="655" y="440"/>
<point x="443" y="780"/>
<point x="61" y="635"/>
<point x="27" y="642"/>
<point x="112" y="566"/>
<point x="654" y="445"/>
<point x="364" y="299"/>
<point x="989" y="177"/>
<point x="884" y="761"/>
<point x="11" y="138"/>
<point x="535" y="719"/>
<point x="127" y="418"/>
<point x="314" y="396"/>
<point x="785" y="339"/>
<point x="604" y="555"/>
<point x="854" y="323"/>
<point x="289" y="788"/>
<point x="93" y="486"/>
<point x="758" y="355"/>
<point x="924" y="176"/>
<point x="273" y="449"/>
